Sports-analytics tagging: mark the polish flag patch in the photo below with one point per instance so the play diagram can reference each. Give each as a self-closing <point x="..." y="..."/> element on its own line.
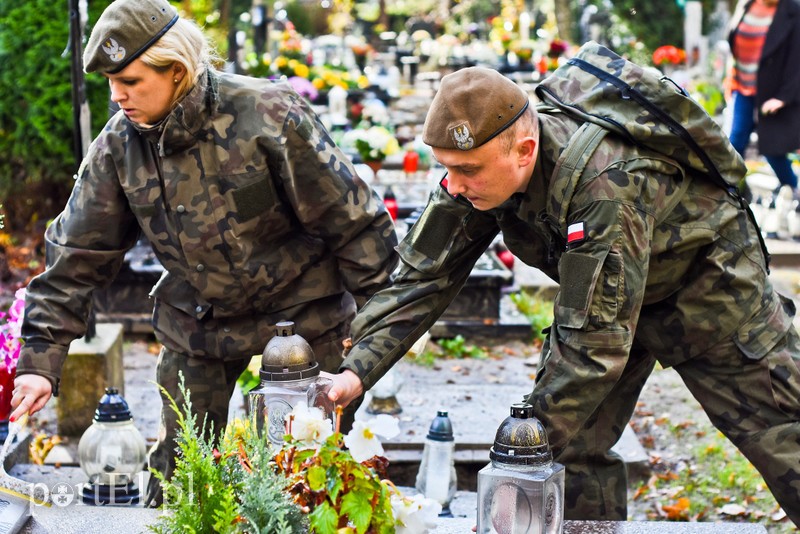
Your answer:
<point x="575" y="232"/>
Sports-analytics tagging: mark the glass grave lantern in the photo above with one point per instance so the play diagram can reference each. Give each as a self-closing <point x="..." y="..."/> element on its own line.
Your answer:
<point x="436" y="478"/>
<point x="289" y="375"/>
<point x="111" y="453"/>
<point x="384" y="394"/>
<point x="522" y="490"/>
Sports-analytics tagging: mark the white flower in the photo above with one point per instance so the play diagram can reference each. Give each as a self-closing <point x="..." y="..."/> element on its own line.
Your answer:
<point x="375" y="112"/>
<point x="414" y="515"/>
<point x="363" y="439"/>
<point x="309" y="425"/>
<point x="375" y="142"/>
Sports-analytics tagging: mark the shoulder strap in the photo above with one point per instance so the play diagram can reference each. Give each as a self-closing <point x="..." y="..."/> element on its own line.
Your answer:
<point x="568" y="170"/>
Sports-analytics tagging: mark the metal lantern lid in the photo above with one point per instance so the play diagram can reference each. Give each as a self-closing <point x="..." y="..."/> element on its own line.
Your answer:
<point x="521" y="439"/>
<point x="287" y="356"/>
<point x="112" y="408"/>
<point x="441" y="428"/>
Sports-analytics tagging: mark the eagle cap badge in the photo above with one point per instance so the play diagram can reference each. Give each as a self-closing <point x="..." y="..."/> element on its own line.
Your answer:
<point x="115" y="52"/>
<point x="462" y="136"/>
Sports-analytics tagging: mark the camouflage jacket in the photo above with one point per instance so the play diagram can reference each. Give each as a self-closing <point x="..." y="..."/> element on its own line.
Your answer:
<point x="248" y="204"/>
<point x="668" y="259"/>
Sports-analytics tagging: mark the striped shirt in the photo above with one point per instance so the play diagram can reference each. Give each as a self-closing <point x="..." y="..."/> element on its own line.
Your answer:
<point x="747" y="45"/>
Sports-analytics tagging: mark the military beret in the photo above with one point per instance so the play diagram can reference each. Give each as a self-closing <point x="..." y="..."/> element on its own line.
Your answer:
<point x="124" y="31"/>
<point x="472" y="106"/>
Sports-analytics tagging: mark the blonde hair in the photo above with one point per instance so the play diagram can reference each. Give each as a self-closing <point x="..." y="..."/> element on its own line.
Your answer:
<point x="186" y="44"/>
<point x="527" y="125"/>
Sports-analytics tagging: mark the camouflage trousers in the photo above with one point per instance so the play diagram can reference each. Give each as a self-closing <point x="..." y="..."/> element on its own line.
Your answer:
<point x="211" y="383"/>
<point x="754" y="403"/>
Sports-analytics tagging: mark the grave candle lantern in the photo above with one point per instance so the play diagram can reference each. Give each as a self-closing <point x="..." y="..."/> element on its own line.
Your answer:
<point x="522" y="489"/>
<point x="437" y="478"/>
<point x="289" y="375"/>
<point x="111" y="453"/>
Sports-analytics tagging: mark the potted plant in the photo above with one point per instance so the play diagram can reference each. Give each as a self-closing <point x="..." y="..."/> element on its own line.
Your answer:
<point x="372" y="144"/>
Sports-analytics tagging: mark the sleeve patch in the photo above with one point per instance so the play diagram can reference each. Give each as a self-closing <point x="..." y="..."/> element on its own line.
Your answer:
<point x="434" y="236"/>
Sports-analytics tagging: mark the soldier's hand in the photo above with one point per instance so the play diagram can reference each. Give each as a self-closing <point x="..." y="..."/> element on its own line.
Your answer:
<point x="31" y="393"/>
<point x="346" y="387"/>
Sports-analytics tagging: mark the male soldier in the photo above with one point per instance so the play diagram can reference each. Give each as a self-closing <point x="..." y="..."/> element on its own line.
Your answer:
<point x="656" y="265"/>
<point x="256" y="216"/>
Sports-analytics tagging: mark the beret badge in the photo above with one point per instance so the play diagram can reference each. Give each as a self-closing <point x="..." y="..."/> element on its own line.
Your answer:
<point x="462" y="137"/>
<point x="115" y="52"/>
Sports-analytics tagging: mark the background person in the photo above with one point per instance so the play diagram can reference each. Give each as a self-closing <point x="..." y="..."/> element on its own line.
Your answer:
<point x="765" y="82"/>
<point x="254" y="213"/>
<point x="661" y="267"/>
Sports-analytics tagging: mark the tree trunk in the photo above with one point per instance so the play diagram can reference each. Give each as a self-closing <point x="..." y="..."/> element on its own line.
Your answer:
<point x="563" y="19"/>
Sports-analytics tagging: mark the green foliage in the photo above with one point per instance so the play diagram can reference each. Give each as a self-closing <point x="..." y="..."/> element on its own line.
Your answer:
<point x="637" y="28"/>
<point x="208" y="483"/>
<point x="199" y="497"/>
<point x="538" y="310"/>
<point x="426" y="358"/>
<point x="336" y="488"/>
<point x="265" y="506"/>
<point x="309" y="18"/>
<point x="708" y="94"/>
<point x="457" y="347"/>
<point x="36" y="123"/>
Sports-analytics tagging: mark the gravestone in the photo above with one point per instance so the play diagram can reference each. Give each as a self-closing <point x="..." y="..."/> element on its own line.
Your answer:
<point x="91" y="366"/>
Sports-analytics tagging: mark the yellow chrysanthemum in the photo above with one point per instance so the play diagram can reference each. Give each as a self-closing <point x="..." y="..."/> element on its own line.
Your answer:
<point x="302" y="70"/>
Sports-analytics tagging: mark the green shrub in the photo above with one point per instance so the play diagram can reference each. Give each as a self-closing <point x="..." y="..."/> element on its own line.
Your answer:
<point x="537" y="309"/>
<point x="225" y="487"/>
<point x="36" y="121"/>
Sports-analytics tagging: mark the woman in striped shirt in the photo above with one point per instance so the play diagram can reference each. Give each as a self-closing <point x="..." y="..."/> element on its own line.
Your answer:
<point x="765" y="81"/>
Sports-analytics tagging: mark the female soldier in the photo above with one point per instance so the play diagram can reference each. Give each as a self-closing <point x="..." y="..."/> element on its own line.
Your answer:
<point x="254" y="213"/>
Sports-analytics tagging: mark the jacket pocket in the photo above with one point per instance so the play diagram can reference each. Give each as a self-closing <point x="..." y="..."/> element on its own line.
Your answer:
<point x="758" y="336"/>
<point x="177" y="292"/>
<point x="582" y="271"/>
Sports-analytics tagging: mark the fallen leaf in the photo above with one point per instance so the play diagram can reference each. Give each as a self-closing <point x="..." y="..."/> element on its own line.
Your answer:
<point x="642" y="490"/>
<point x="677" y="511"/>
<point x="733" y="509"/>
<point x="778" y="515"/>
